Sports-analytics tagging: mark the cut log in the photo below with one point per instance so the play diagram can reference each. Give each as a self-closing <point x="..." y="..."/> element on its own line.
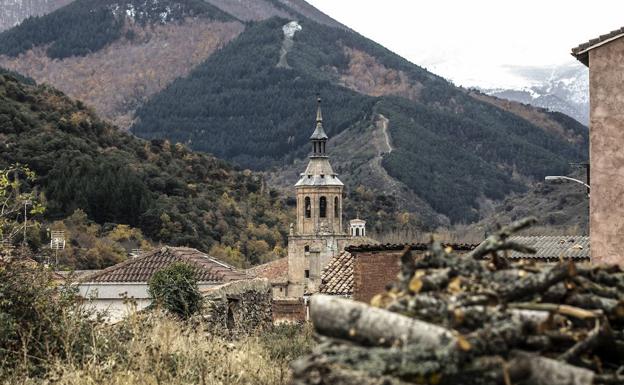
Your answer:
<point x="585" y="345"/>
<point x="536" y="370"/>
<point x="537" y="283"/>
<point x="346" y="319"/>
<point x="612" y="307"/>
<point x="498" y="241"/>
<point x="567" y="310"/>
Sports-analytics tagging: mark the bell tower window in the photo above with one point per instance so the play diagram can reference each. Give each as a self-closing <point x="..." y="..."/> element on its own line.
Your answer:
<point x="336" y="207"/>
<point x="323" y="207"/>
<point x="307" y="208"/>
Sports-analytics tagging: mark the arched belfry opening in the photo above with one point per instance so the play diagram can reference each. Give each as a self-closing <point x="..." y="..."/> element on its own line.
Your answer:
<point x="308" y="207"/>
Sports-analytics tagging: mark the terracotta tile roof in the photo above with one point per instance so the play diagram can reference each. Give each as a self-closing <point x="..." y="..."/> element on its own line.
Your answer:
<point x="552" y="248"/>
<point x="337" y="276"/>
<point x="582" y="51"/>
<point x="141" y="269"/>
<point x="275" y="271"/>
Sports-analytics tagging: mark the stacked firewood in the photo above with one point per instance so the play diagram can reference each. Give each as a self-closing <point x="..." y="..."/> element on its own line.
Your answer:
<point x="478" y="319"/>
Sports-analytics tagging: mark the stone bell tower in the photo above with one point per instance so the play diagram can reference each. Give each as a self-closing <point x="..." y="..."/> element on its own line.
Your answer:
<point x="319" y="234"/>
<point x="319" y="191"/>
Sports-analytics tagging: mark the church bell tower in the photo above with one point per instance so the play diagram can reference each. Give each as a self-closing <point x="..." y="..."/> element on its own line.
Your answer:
<point x="318" y="234"/>
<point x="319" y="191"/>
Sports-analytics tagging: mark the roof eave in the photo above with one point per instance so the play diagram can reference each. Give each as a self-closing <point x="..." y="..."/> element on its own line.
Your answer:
<point x="581" y="53"/>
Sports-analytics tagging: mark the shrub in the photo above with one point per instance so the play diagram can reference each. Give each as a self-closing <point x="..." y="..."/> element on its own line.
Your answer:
<point x="39" y="319"/>
<point x="175" y="288"/>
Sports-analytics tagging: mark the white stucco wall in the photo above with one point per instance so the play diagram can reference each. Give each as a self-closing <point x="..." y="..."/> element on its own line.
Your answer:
<point x="119" y="299"/>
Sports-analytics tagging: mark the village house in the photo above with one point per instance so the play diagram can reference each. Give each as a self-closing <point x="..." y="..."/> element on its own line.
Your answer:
<point x="605" y="58"/>
<point x="123" y="288"/>
<point x="360" y="272"/>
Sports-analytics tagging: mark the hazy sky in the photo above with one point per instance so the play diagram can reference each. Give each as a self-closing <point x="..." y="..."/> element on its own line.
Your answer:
<point x="473" y="42"/>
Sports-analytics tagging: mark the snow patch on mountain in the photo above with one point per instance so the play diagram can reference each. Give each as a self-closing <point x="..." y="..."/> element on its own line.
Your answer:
<point x="563" y="88"/>
<point x="289" y="33"/>
<point x="290" y="29"/>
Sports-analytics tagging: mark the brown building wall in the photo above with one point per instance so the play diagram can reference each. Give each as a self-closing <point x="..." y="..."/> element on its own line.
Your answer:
<point x="372" y="271"/>
<point x="606" y="152"/>
<point x="289" y="310"/>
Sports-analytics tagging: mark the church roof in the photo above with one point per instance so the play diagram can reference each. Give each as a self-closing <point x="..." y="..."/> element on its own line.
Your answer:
<point x="318" y="180"/>
<point x="319" y="133"/>
<point x="319" y="173"/>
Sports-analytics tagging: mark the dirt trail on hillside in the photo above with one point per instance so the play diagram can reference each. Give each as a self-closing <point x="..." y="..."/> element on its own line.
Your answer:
<point x="383" y="124"/>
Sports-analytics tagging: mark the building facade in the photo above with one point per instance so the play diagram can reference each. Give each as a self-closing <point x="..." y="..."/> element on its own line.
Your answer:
<point x="124" y="288"/>
<point x="605" y="58"/>
<point x="318" y="234"/>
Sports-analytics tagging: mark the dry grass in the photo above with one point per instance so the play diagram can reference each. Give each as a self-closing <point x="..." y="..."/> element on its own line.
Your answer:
<point x="156" y="349"/>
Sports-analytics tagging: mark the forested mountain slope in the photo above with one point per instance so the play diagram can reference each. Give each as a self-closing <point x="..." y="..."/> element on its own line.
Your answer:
<point x="251" y="102"/>
<point x="114" y="54"/>
<point x="221" y="77"/>
<point x="171" y="193"/>
<point x="12" y="12"/>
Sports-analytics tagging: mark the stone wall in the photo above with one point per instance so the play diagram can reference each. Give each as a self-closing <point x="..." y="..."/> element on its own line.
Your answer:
<point x="606" y="83"/>
<point x="240" y="307"/>
<point x="322" y="248"/>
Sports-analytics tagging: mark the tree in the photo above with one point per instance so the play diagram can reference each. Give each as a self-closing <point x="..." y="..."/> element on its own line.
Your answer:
<point x="175" y="288"/>
<point x="19" y="201"/>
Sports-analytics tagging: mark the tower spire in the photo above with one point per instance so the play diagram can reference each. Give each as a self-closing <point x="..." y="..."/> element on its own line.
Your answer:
<point x="319" y="137"/>
<point x="319" y="114"/>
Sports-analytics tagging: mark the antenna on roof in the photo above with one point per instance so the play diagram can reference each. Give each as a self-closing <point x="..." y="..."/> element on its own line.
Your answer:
<point x="57" y="242"/>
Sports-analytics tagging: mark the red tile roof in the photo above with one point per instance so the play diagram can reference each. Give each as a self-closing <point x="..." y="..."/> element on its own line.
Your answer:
<point x="582" y="51"/>
<point x="142" y="268"/>
<point x="275" y="271"/>
<point x="337" y="276"/>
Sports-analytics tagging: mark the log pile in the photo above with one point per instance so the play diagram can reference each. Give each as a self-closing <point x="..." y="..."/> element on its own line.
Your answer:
<point x="475" y="320"/>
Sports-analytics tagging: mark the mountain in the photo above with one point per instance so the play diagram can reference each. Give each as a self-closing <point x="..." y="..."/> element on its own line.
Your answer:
<point x="115" y="54"/>
<point x="112" y="54"/>
<point x="174" y="195"/>
<point x="238" y="79"/>
<point x="12" y="12"/>
<point x="250" y="103"/>
<point x="562" y="88"/>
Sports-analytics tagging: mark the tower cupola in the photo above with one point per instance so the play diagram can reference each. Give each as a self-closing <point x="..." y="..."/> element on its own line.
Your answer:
<point x="319" y="137"/>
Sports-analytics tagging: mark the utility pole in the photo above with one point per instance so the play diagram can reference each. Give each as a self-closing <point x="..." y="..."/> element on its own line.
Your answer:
<point x="26" y="203"/>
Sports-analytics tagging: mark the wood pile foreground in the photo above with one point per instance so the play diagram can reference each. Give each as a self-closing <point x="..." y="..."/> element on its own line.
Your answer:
<point x="475" y="320"/>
